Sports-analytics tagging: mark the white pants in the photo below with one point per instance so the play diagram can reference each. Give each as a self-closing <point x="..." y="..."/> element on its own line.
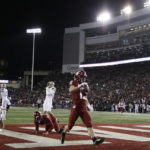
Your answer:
<point x="5" y="101"/>
<point x="47" y="106"/>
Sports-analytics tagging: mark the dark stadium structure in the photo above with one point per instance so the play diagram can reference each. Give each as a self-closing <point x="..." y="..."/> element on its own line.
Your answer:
<point x="123" y="37"/>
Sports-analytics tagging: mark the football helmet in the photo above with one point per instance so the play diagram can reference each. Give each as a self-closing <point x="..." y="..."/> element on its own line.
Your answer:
<point x="37" y="116"/>
<point x="80" y="76"/>
<point x="3" y="85"/>
<point x="51" y="84"/>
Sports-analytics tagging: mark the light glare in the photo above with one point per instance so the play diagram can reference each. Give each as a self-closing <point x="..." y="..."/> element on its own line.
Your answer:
<point x="105" y="16"/>
<point x="35" y="30"/>
<point x="4" y="81"/>
<point x="115" y="62"/>
<point x="146" y="4"/>
<point x="127" y="10"/>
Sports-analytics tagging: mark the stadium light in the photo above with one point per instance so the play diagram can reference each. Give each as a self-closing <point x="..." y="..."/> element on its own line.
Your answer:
<point x="36" y="30"/>
<point x="33" y="31"/>
<point x="147" y="4"/>
<point x="4" y="81"/>
<point x="127" y="10"/>
<point x="115" y="62"/>
<point x="104" y="17"/>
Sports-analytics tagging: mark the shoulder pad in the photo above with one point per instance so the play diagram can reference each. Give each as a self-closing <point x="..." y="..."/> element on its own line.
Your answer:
<point x="73" y="82"/>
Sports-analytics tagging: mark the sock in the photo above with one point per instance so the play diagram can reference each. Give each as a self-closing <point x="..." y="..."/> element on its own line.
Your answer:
<point x="94" y="139"/>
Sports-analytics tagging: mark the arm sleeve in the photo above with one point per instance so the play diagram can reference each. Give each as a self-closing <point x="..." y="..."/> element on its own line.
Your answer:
<point x="53" y="91"/>
<point x="6" y="92"/>
<point x="47" y="91"/>
<point x="73" y="83"/>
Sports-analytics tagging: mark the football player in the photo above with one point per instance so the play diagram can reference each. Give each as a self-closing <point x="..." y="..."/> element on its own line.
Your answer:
<point x="121" y="105"/>
<point x="79" y="91"/>
<point x="50" y="124"/>
<point x="50" y="92"/>
<point x="9" y="103"/>
<point x="5" y="100"/>
<point x="1" y="121"/>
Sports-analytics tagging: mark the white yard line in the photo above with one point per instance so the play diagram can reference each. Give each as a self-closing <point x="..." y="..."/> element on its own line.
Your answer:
<point x="125" y="128"/>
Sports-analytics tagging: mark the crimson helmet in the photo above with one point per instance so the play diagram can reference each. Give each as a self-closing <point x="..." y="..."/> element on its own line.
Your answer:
<point x="80" y="76"/>
<point x="37" y="115"/>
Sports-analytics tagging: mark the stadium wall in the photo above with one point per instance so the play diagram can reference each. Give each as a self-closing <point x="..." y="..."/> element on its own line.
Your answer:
<point x="71" y="52"/>
<point x="75" y="38"/>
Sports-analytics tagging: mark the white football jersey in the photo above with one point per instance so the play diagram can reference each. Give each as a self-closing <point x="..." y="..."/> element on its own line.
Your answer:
<point x="4" y="92"/>
<point x="50" y="92"/>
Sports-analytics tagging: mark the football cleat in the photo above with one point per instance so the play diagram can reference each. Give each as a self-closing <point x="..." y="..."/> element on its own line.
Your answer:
<point x="98" y="141"/>
<point x="61" y="129"/>
<point x="63" y="137"/>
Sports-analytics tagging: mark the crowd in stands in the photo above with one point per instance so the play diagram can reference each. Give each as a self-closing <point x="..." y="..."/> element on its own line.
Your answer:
<point x="124" y="53"/>
<point x="130" y="47"/>
<point x="109" y="85"/>
<point x="130" y="83"/>
<point x="24" y="96"/>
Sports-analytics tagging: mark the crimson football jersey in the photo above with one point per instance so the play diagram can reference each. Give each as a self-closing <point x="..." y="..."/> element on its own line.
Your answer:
<point x="44" y="120"/>
<point x="79" y="102"/>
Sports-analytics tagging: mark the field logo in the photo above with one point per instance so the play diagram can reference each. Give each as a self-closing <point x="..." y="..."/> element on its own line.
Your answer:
<point x="40" y="141"/>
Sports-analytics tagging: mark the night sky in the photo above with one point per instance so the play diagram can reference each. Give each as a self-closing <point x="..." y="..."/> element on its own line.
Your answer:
<point x="52" y="17"/>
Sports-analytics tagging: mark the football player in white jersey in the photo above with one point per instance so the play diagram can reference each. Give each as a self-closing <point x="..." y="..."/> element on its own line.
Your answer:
<point x="5" y="102"/>
<point x="48" y="103"/>
<point x="1" y="121"/>
<point x="50" y="92"/>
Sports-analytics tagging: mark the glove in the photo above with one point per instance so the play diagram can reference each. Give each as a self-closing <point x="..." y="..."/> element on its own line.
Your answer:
<point x="82" y="84"/>
<point x="90" y="108"/>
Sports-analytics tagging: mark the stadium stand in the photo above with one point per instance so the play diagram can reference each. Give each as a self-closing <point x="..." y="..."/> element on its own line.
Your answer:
<point x="122" y="38"/>
<point x="103" y="52"/>
<point x="108" y="86"/>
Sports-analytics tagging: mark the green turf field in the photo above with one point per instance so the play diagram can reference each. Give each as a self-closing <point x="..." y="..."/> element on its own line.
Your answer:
<point x="17" y="115"/>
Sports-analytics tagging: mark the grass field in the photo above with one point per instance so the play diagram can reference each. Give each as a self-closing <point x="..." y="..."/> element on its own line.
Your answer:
<point x="18" y="115"/>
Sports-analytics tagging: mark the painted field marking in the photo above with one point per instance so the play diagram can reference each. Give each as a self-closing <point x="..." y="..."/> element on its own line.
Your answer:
<point x="114" y="135"/>
<point x="33" y="128"/>
<point x="143" y="126"/>
<point x="40" y="141"/>
<point x="108" y="134"/>
<point x="125" y="128"/>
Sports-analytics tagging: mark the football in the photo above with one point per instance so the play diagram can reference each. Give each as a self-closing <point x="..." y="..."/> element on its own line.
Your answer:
<point x="84" y="91"/>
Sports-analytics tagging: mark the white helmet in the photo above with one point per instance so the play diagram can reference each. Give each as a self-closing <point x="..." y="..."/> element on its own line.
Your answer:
<point x="3" y="85"/>
<point x="51" y="84"/>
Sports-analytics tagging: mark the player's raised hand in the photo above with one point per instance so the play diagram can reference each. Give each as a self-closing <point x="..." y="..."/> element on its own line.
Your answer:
<point x="84" y="84"/>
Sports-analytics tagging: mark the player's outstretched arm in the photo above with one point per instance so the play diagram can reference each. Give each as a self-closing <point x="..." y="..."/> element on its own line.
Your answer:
<point x="73" y="89"/>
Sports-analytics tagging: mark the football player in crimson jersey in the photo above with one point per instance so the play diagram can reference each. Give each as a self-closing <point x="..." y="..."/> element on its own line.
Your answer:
<point x="50" y="123"/>
<point x="121" y="106"/>
<point x="79" y="90"/>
